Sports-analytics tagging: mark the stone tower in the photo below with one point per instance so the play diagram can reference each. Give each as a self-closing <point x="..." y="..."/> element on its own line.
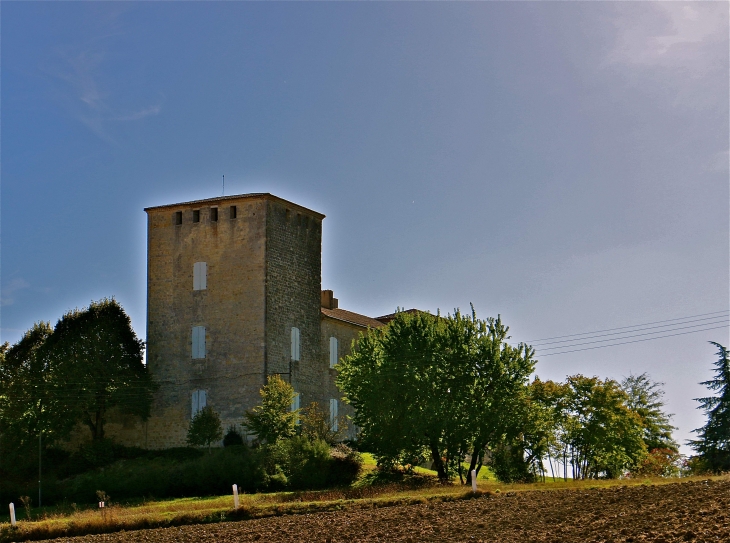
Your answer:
<point x="233" y="296"/>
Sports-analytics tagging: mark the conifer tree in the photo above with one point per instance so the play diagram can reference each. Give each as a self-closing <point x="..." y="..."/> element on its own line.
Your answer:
<point x="713" y="445"/>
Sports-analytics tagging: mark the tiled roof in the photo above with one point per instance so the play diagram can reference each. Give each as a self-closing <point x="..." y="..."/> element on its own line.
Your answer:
<point x="385" y="319"/>
<point x="352" y="318"/>
<point x="256" y="195"/>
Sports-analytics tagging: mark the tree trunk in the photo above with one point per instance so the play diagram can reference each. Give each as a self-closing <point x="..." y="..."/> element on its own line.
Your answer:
<point x="438" y="462"/>
<point x="475" y="463"/>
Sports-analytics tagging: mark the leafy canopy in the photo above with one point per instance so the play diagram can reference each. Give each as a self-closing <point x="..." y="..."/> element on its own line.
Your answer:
<point x="440" y="386"/>
<point x="644" y="397"/>
<point x="205" y="428"/>
<point x="274" y="419"/>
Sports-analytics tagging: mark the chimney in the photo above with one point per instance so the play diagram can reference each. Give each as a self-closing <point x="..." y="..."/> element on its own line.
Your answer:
<point x="328" y="299"/>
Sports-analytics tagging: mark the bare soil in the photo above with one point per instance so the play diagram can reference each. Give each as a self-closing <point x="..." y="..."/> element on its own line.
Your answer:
<point x="693" y="511"/>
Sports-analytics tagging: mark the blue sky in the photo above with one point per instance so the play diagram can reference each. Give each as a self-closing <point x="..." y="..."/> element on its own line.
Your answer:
<point x="562" y="164"/>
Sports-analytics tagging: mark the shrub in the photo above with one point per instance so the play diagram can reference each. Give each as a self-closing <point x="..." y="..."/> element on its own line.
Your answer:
<point x="232" y="437"/>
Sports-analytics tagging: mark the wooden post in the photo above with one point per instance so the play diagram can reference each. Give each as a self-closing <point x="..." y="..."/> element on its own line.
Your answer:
<point x="235" y="496"/>
<point x="12" y="515"/>
<point x="473" y="480"/>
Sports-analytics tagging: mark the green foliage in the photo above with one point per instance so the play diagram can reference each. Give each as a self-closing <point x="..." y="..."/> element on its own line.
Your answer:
<point x="232" y="437"/>
<point x="659" y="463"/>
<point x="713" y="443"/>
<point x="30" y="400"/>
<point x="205" y="428"/>
<point x="315" y="424"/>
<point x="312" y="464"/>
<point x="273" y="419"/>
<point x="448" y="386"/>
<point x="645" y="399"/>
<point x="95" y="362"/>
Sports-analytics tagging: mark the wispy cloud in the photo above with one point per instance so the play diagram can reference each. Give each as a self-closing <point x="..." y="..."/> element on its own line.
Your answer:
<point x="141" y="114"/>
<point x="7" y="297"/>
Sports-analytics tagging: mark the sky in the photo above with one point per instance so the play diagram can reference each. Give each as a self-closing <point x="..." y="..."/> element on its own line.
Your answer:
<point x="561" y="164"/>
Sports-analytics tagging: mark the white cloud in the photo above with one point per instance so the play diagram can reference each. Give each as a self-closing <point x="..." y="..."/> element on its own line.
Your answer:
<point x="8" y="291"/>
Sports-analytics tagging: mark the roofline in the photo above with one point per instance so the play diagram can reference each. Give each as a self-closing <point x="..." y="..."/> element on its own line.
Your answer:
<point x="255" y="196"/>
<point x="345" y="320"/>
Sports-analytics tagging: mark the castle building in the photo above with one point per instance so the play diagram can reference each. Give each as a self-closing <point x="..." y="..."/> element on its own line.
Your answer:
<point x="234" y="296"/>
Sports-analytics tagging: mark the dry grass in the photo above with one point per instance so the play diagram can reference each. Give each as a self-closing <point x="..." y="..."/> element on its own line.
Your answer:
<point x="217" y="509"/>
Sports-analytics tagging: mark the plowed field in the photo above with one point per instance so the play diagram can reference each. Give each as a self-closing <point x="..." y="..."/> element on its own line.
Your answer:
<point x="692" y="511"/>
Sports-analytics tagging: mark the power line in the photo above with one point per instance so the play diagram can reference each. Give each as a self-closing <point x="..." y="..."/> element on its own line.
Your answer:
<point x="636" y="330"/>
<point x="625" y="327"/>
<point x="635" y="341"/>
<point x="572" y="344"/>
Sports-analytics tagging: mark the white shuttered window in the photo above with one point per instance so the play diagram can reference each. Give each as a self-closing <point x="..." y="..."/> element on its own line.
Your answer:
<point x="200" y="276"/>
<point x="199" y="401"/>
<point x="198" y="341"/>
<point x="333" y="352"/>
<point x="295" y="344"/>
<point x="333" y="414"/>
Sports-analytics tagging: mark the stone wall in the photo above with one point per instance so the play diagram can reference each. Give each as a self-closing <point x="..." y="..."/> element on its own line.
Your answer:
<point x="293" y="281"/>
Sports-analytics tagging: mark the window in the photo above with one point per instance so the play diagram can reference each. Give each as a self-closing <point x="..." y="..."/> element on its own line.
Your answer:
<point x="333" y="352"/>
<point x="196" y="215"/>
<point x="198" y="341"/>
<point x="233" y="212"/>
<point x="295" y="402"/>
<point x="295" y="344"/>
<point x="333" y="415"/>
<point x="200" y="272"/>
<point x="178" y="217"/>
<point x="213" y="214"/>
<point x="200" y="400"/>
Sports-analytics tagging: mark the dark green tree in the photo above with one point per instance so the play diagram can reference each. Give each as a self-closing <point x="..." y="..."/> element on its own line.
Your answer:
<point x="713" y="443"/>
<point x="205" y="428"/>
<point x="97" y="365"/>
<point x="644" y="397"/>
<point x="446" y="386"/>
<point x="274" y="419"/>
<point x="31" y="403"/>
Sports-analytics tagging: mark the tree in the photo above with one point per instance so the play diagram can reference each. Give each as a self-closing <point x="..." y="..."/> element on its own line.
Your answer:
<point x="274" y="419"/>
<point x="645" y="399"/>
<point x="446" y="386"/>
<point x="315" y="424"/>
<point x="31" y="403"/>
<point x="97" y="365"/>
<point x="205" y="428"/>
<point x="713" y="445"/>
<point x="605" y="436"/>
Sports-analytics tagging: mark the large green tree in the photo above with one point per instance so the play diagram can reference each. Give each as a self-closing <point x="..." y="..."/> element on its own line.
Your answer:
<point x="605" y="436"/>
<point x="31" y="403"/>
<point x="274" y="419"/>
<point x="713" y="443"/>
<point x="445" y="385"/>
<point x="97" y="365"/>
<point x="644" y="397"/>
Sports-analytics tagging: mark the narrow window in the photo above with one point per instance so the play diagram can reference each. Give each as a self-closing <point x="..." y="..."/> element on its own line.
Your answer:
<point x="200" y="272"/>
<point x="178" y="217"/>
<point x="199" y="401"/>
<point x="233" y="212"/>
<point x="196" y="215"/>
<point x="295" y="344"/>
<point x="333" y="415"/>
<point x="295" y="402"/>
<point x="333" y="352"/>
<point x="288" y="215"/>
<point x="198" y="341"/>
<point x="213" y="214"/>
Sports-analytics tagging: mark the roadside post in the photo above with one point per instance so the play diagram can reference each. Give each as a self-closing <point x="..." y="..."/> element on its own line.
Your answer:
<point x="473" y="480"/>
<point x="12" y="515"/>
<point x="235" y="496"/>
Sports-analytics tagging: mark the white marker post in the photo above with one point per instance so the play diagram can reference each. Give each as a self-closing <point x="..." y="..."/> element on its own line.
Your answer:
<point x="12" y="515"/>
<point x="473" y="480"/>
<point x="235" y="496"/>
